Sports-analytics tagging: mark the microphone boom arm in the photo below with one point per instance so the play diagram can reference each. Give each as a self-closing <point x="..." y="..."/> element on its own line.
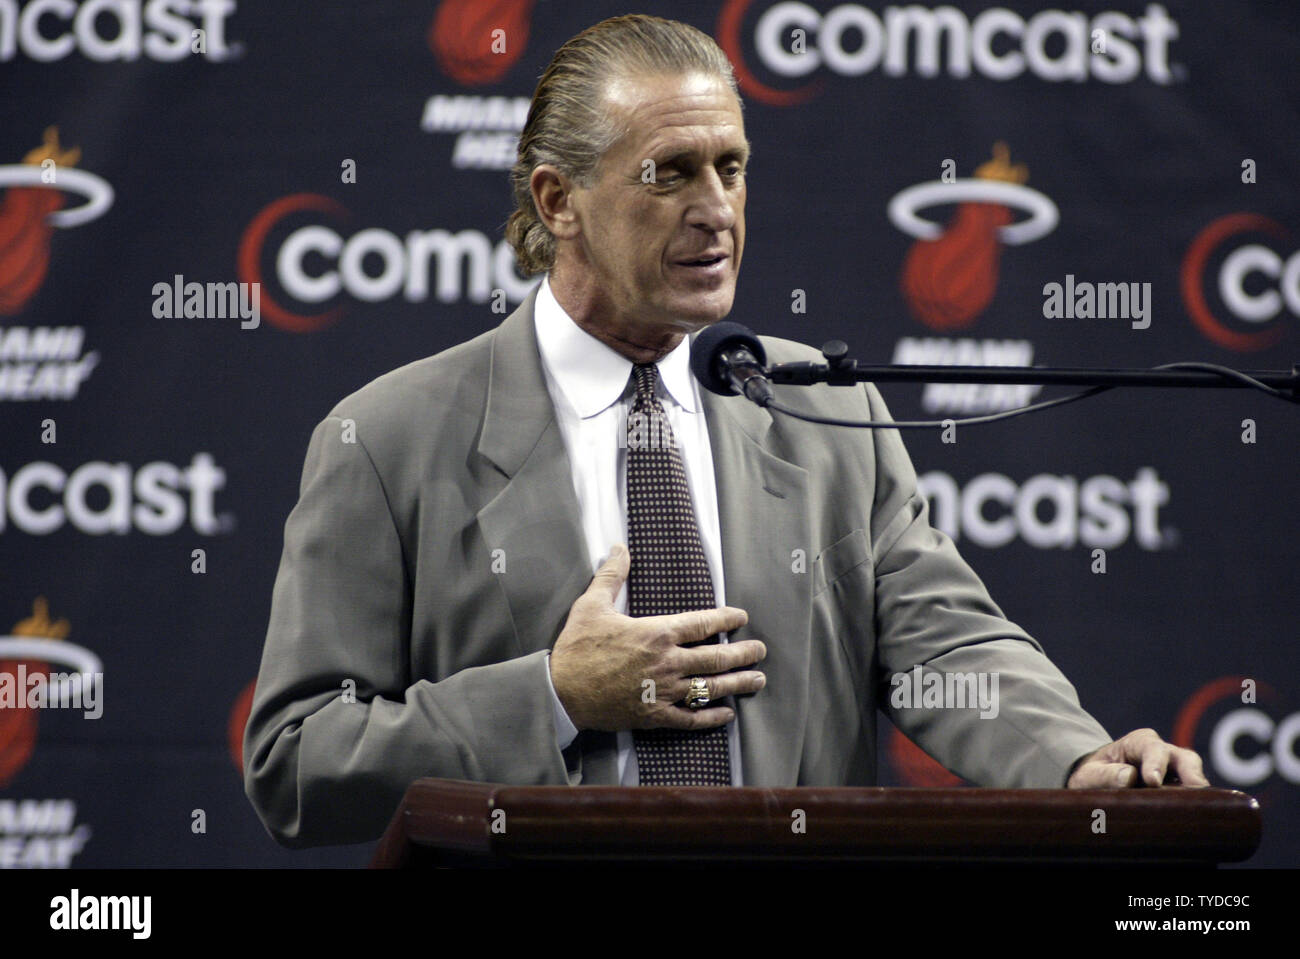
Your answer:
<point x="839" y="370"/>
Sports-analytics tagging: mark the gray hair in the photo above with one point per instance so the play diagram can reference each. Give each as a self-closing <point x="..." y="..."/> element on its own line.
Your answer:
<point x="569" y="125"/>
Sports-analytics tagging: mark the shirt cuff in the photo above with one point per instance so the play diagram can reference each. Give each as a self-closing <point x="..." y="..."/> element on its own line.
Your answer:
<point x="565" y="731"/>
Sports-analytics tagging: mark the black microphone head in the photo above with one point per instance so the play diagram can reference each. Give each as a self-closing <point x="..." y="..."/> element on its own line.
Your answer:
<point x="711" y="343"/>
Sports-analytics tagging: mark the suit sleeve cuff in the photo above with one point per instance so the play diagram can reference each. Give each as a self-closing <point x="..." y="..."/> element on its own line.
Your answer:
<point x="565" y="731"/>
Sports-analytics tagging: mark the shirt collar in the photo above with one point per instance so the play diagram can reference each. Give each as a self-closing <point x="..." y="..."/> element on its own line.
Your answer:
<point x="590" y="374"/>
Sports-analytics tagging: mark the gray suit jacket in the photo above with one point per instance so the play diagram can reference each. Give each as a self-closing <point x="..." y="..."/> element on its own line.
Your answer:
<point x="436" y="548"/>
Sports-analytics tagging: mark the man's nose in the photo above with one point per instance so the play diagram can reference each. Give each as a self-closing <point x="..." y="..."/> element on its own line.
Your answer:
<point x="711" y="207"/>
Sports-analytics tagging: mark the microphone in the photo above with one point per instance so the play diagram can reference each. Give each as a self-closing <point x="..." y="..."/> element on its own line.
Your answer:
<point x="728" y="359"/>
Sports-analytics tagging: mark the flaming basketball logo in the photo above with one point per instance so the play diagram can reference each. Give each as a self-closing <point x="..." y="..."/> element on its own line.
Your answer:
<point x="25" y="228"/>
<point x="464" y="38"/>
<point x="36" y="642"/>
<point x="32" y="207"/>
<point x="18" y="723"/>
<point x="951" y="273"/>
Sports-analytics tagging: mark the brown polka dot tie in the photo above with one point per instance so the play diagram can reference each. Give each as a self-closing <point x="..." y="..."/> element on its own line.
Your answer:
<point x="669" y="574"/>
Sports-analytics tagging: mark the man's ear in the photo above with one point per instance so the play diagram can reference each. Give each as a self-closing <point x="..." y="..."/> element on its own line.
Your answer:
<point x="553" y="196"/>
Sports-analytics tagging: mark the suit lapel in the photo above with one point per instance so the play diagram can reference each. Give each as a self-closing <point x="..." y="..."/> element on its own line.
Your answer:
<point x="535" y="517"/>
<point x="762" y="509"/>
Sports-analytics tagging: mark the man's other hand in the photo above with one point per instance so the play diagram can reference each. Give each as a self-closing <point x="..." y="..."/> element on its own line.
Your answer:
<point x="614" y="672"/>
<point x="1141" y="758"/>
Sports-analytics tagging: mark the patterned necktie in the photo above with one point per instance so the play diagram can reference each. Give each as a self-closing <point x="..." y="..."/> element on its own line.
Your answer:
<point x="669" y="574"/>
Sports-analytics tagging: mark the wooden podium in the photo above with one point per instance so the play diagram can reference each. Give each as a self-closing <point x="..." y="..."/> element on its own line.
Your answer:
<point x="444" y="822"/>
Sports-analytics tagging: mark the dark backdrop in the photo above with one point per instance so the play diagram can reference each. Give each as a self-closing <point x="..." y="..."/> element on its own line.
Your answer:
<point x="1168" y="155"/>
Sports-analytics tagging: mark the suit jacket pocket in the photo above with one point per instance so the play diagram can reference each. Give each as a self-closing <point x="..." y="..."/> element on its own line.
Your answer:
<point x="843" y="556"/>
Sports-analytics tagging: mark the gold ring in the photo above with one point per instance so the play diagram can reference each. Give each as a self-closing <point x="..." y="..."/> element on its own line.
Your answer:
<point x="697" y="696"/>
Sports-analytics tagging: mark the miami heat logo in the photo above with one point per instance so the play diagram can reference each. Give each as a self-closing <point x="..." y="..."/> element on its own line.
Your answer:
<point x="33" y="207"/>
<point x="25" y="659"/>
<point x="951" y="273"/>
<point x="478" y="41"/>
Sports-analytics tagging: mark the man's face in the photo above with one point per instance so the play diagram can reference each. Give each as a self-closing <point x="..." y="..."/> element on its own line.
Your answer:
<point x="662" y="253"/>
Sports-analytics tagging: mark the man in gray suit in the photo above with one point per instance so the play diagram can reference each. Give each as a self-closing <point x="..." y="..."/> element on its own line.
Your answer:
<point x="436" y="613"/>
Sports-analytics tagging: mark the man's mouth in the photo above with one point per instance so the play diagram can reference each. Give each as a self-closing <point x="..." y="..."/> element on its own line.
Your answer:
<point x="704" y="262"/>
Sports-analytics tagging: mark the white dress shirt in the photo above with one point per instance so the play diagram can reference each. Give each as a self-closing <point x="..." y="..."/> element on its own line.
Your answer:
<point x="590" y="389"/>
